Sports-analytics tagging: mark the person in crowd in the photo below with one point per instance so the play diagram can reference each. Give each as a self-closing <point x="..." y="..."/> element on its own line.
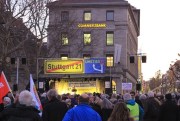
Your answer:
<point x="106" y="108"/>
<point x="98" y="100"/>
<point x="151" y="112"/>
<point x="73" y="100"/>
<point x="54" y="110"/>
<point x="120" y="113"/>
<point x="24" y="111"/>
<point x="82" y="112"/>
<point x="114" y="98"/>
<point x="168" y="110"/>
<point x="133" y="94"/>
<point x="44" y="99"/>
<point x="1" y="107"/>
<point x="136" y="111"/>
<point x="7" y="102"/>
<point x="138" y="101"/>
<point x="94" y="105"/>
<point x="143" y="98"/>
<point x="68" y="103"/>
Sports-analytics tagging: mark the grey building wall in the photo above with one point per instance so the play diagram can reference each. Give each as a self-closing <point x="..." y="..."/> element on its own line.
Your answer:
<point x="125" y="27"/>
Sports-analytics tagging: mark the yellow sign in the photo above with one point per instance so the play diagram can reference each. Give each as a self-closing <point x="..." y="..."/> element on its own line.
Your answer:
<point x="63" y="66"/>
<point x="93" y="25"/>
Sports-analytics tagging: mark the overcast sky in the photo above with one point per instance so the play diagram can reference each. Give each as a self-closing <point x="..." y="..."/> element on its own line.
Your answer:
<point x="159" y="33"/>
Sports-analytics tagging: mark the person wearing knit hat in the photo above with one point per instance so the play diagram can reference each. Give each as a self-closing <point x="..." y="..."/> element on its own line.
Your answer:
<point x="127" y="97"/>
<point x="136" y="111"/>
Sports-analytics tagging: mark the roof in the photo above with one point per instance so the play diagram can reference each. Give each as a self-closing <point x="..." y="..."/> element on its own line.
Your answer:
<point x="86" y="2"/>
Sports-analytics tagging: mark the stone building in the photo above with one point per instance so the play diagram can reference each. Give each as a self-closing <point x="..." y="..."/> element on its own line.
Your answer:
<point x="97" y="29"/>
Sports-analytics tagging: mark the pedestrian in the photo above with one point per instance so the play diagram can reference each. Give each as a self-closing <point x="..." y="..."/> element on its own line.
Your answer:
<point x="106" y="108"/>
<point x="54" y="110"/>
<point x="168" y="110"/>
<point x="24" y="111"/>
<point x="82" y="112"/>
<point x="136" y="111"/>
<point x="151" y="112"/>
<point x="120" y="113"/>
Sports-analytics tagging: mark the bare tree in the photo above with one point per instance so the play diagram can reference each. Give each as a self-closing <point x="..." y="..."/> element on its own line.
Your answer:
<point x="24" y="30"/>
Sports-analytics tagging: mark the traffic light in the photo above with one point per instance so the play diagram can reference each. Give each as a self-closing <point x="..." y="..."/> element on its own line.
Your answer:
<point x="138" y="86"/>
<point x="143" y="59"/>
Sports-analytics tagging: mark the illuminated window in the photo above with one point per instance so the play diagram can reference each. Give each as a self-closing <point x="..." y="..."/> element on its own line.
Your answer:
<point x="87" y="38"/>
<point x="110" y="15"/>
<point x="109" y="38"/>
<point x="64" y="38"/>
<point x="87" y="15"/>
<point x="64" y="16"/>
<point x="64" y="56"/>
<point x="110" y="60"/>
<point x="86" y="56"/>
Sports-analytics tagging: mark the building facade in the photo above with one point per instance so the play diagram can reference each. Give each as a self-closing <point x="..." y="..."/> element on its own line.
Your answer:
<point x="95" y="29"/>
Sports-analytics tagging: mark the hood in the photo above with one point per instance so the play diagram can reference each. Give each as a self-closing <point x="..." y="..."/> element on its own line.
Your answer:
<point x="131" y="102"/>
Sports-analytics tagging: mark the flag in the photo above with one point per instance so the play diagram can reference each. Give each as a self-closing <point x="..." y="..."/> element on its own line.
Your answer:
<point x="4" y="86"/>
<point x="35" y="94"/>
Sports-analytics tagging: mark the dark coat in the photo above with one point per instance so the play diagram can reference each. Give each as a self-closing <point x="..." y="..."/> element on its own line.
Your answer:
<point x="168" y="111"/>
<point x="96" y="107"/>
<point x="106" y="114"/>
<point x="151" y="111"/>
<point x="54" y="110"/>
<point x="20" y="113"/>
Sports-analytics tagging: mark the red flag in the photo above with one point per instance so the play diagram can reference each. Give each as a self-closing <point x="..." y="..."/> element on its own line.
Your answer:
<point x="4" y="86"/>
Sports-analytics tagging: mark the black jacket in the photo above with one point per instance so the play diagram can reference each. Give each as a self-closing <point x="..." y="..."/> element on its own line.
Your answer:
<point x="168" y="111"/>
<point x="20" y="113"/>
<point x="54" y="110"/>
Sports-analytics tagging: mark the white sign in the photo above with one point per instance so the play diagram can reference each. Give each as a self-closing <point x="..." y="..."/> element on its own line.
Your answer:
<point x="126" y="86"/>
<point x="107" y="84"/>
<point x="41" y="85"/>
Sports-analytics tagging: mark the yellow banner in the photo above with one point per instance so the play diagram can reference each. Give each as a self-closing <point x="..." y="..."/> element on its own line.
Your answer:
<point x="63" y="66"/>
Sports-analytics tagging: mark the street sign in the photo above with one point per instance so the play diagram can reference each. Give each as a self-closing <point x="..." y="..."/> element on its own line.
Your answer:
<point x="94" y="65"/>
<point x="126" y="86"/>
<point x="64" y="66"/>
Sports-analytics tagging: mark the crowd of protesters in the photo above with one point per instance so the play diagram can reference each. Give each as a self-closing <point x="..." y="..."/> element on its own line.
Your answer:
<point x="91" y="107"/>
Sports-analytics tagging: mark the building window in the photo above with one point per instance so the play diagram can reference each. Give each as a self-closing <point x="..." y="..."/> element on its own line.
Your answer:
<point x="110" y="15"/>
<point x="110" y="38"/>
<point x="87" y="15"/>
<point x="87" y="38"/>
<point x="64" y="38"/>
<point x="86" y="56"/>
<point x="64" y="56"/>
<point x="64" y="16"/>
<point x="110" y="60"/>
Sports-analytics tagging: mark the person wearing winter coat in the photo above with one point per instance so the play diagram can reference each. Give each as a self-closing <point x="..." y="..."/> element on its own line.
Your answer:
<point x="136" y="111"/>
<point x="54" y="110"/>
<point x="168" y="110"/>
<point x="24" y="111"/>
<point x="151" y="112"/>
<point x="82" y="112"/>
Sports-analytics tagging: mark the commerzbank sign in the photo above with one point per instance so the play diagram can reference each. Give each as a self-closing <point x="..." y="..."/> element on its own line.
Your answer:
<point x="92" y="25"/>
<point x="75" y="66"/>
